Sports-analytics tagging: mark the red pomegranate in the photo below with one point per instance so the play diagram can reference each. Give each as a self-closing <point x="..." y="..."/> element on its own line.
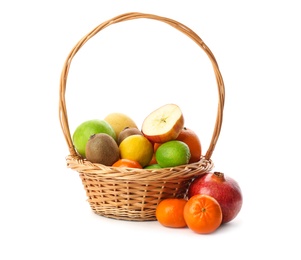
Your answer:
<point x="221" y="187"/>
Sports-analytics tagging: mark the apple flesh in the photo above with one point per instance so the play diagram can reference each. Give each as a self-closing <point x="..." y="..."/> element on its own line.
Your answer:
<point x="163" y="124"/>
<point x="223" y="188"/>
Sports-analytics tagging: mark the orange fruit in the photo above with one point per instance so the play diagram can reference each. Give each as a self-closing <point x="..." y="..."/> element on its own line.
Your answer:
<point x="154" y="160"/>
<point x="169" y="212"/>
<point x="202" y="214"/>
<point x="137" y="148"/>
<point x="127" y="163"/>
<point x="189" y="137"/>
<point x="156" y="146"/>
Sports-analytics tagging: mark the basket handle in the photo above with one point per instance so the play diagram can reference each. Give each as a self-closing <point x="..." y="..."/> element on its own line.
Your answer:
<point x="131" y="16"/>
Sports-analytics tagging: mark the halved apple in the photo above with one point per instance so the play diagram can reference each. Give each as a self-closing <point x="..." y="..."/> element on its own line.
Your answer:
<point x="163" y="124"/>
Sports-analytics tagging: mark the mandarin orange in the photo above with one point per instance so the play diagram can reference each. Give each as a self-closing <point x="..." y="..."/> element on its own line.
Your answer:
<point x="169" y="212"/>
<point x="189" y="137"/>
<point x="202" y="214"/>
<point x="127" y="163"/>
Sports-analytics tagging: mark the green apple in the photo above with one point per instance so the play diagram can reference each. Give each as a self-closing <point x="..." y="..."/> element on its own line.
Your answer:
<point x="83" y="132"/>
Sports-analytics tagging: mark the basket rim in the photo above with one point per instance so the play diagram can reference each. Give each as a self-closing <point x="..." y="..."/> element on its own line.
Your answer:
<point x="131" y="16"/>
<point x="110" y="173"/>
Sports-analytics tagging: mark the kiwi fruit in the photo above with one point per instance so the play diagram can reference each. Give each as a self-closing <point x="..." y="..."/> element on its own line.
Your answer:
<point x="102" y="148"/>
<point x="127" y="131"/>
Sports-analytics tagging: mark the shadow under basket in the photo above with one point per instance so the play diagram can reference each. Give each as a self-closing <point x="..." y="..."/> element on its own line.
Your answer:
<point x="130" y="193"/>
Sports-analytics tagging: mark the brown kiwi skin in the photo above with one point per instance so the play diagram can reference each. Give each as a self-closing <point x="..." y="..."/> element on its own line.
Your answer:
<point x="102" y="148"/>
<point x="127" y="131"/>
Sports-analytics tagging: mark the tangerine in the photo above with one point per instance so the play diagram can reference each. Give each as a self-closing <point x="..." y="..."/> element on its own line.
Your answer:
<point x="127" y="163"/>
<point x="169" y="212"/>
<point x="202" y="214"/>
<point x="189" y="137"/>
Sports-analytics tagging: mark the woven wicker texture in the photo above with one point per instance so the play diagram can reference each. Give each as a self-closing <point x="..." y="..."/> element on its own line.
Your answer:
<point x="133" y="194"/>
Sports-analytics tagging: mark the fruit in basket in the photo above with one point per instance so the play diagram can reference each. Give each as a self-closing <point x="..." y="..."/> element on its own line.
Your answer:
<point x="154" y="160"/>
<point x="202" y="214"/>
<point x="127" y="132"/>
<point x="127" y="164"/>
<point x="153" y="166"/>
<point x="137" y="148"/>
<point x="172" y="153"/>
<point x="83" y="132"/>
<point x="189" y="137"/>
<point x="223" y="188"/>
<point x="170" y="212"/>
<point x="163" y="124"/>
<point x="119" y="121"/>
<point x="102" y="148"/>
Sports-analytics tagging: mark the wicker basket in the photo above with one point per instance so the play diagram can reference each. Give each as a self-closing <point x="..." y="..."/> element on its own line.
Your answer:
<point x="133" y="194"/>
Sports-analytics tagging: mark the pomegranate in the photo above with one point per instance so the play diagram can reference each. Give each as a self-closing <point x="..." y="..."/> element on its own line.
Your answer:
<point x="221" y="187"/>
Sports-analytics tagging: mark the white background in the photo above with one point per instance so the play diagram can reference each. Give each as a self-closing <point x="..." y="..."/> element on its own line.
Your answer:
<point x="134" y="67"/>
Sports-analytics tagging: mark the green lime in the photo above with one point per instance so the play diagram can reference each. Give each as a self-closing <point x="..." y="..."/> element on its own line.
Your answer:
<point x="83" y="132"/>
<point x="173" y="153"/>
<point x="153" y="166"/>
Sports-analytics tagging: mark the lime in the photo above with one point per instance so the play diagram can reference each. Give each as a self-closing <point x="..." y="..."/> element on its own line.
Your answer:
<point x="137" y="148"/>
<point x="153" y="166"/>
<point x="83" y="132"/>
<point x="173" y="153"/>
